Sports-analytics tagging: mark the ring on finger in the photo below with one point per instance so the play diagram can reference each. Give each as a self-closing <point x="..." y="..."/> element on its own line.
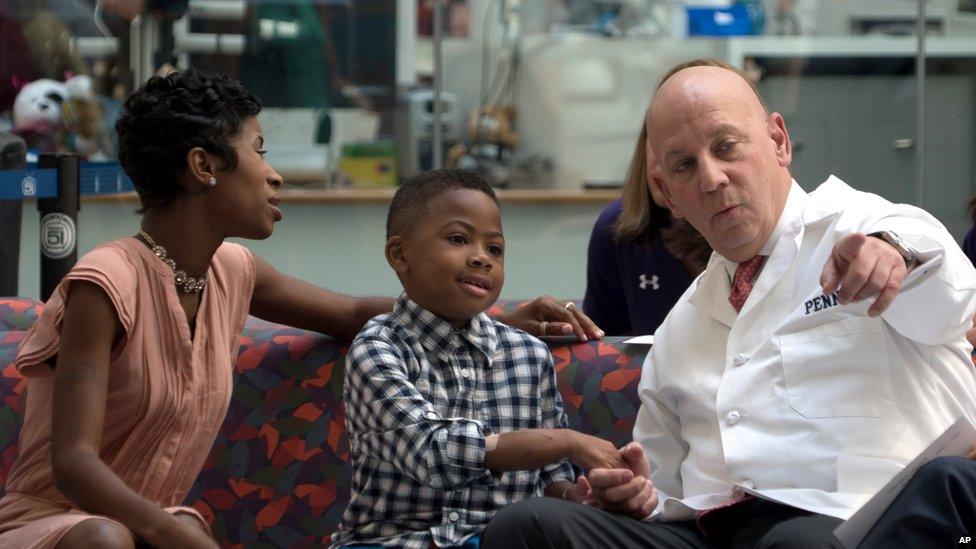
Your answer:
<point x="569" y="305"/>
<point x="542" y="327"/>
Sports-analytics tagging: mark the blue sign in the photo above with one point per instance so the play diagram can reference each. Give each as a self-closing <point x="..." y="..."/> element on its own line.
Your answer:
<point x="96" y="178"/>
<point x="31" y="183"/>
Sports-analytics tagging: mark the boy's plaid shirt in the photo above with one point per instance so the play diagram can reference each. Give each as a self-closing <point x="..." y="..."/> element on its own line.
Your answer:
<point x="420" y="397"/>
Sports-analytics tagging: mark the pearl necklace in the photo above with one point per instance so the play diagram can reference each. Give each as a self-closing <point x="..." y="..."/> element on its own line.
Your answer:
<point x="184" y="282"/>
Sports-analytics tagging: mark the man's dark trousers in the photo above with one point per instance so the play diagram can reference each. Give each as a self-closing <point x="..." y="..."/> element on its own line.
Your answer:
<point x="540" y="523"/>
<point x="937" y="508"/>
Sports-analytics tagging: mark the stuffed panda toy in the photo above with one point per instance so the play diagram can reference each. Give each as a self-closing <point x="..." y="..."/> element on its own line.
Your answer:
<point x="38" y="114"/>
<point x="56" y="116"/>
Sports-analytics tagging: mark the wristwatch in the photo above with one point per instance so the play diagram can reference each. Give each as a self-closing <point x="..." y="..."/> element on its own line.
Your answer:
<point x="906" y="250"/>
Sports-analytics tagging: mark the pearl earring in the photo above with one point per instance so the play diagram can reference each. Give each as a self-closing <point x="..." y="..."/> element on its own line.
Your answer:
<point x="212" y="182"/>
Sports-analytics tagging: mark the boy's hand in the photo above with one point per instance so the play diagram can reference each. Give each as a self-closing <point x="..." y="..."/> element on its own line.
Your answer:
<point x="628" y="491"/>
<point x="544" y="316"/>
<point x="593" y="453"/>
<point x="578" y="491"/>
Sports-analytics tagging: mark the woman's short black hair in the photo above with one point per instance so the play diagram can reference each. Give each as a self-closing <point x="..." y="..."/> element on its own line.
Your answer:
<point x="161" y="121"/>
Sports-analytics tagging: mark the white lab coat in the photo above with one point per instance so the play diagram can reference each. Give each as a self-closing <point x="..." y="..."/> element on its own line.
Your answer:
<point x="806" y="401"/>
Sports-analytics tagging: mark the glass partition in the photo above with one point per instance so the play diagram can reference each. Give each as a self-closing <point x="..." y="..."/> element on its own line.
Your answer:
<point x="325" y="73"/>
<point x="61" y="59"/>
<point x="541" y="96"/>
<point x="577" y="75"/>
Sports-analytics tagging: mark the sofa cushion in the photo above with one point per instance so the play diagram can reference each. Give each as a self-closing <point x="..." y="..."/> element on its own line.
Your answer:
<point x="277" y="473"/>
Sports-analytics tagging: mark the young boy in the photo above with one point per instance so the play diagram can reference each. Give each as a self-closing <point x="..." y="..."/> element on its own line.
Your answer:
<point x="451" y="415"/>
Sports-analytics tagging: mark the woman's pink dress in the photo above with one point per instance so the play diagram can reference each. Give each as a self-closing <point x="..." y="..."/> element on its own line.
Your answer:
<point x="167" y="392"/>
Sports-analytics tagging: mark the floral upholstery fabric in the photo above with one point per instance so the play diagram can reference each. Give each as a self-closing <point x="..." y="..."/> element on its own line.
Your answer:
<point x="277" y="474"/>
<point x="16" y="316"/>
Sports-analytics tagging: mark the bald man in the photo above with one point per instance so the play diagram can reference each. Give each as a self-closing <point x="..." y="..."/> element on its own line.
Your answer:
<point x="822" y="348"/>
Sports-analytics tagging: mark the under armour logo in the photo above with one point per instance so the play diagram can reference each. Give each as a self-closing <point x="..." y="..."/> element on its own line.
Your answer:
<point x="644" y="282"/>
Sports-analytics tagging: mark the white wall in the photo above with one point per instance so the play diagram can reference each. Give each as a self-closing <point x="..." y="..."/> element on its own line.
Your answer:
<point x="340" y="246"/>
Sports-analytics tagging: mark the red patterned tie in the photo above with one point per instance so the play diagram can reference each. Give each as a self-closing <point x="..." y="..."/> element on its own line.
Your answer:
<point x="745" y="273"/>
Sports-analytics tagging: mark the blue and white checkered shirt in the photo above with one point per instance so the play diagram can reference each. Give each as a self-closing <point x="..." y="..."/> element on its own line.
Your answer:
<point x="421" y="396"/>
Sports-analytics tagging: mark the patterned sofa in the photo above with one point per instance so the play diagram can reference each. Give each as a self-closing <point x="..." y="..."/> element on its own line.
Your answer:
<point x="277" y="475"/>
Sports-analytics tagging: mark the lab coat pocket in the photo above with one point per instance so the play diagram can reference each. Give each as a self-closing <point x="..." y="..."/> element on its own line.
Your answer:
<point x="837" y="370"/>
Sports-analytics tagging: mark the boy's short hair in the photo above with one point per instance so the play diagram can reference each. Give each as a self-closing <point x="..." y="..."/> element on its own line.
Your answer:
<point x="412" y="199"/>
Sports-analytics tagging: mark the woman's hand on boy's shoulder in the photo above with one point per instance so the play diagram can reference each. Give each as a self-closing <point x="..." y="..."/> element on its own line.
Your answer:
<point x="546" y="317"/>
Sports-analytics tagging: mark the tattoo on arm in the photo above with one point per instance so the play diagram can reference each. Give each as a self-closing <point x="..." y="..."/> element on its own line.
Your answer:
<point x="70" y="379"/>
